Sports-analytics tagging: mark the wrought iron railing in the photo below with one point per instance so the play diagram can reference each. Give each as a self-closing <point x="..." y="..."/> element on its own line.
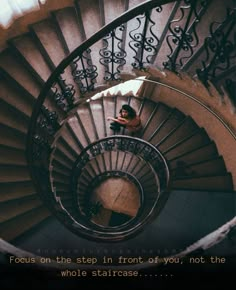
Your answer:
<point x="151" y="201"/>
<point x="136" y="47"/>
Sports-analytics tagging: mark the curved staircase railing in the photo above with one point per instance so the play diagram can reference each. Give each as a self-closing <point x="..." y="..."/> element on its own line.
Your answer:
<point x="144" y="44"/>
<point x="151" y="202"/>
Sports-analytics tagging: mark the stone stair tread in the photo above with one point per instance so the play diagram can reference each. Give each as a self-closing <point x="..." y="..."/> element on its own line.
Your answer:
<point x="68" y="22"/>
<point x="18" y="207"/>
<point x="59" y="159"/>
<point x="16" y="98"/>
<point x="9" y="155"/>
<point x="75" y="127"/>
<point x="19" y="73"/>
<point x="210" y="183"/>
<point x="63" y="155"/>
<point x="13" y="173"/>
<point x="26" y="46"/>
<point x="66" y="149"/>
<point x="193" y="142"/>
<point x="16" y="190"/>
<point x="12" y="138"/>
<point x="157" y="118"/>
<point x="45" y="30"/>
<point x="11" y="117"/>
<point x="180" y="132"/>
<point x="18" y="226"/>
<point x="60" y="167"/>
<point x="168" y="124"/>
<point x="98" y="115"/>
<point x="201" y="154"/>
<point x="214" y="166"/>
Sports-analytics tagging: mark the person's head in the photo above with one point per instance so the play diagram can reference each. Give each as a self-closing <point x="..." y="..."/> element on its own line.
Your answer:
<point x="127" y="112"/>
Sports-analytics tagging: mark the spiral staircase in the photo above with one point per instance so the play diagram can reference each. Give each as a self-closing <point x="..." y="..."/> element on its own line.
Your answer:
<point x="72" y="187"/>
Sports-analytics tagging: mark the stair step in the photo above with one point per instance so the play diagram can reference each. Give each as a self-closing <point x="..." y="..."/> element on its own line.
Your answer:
<point x="210" y="183"/>
<point x="62" y="187"/>
<point x="16" y="98"/>
<point x="133" y="165"/>
<point x="53" y="51"/>
<point x="71" y="30"/>
<point x="147" y="109"/>
<point x="65" y="148"/>
<point x="101" y="161"/>
<point x="199" y="155"/>
<point x="12" y="138"/>
<point x="59" y="167"/>
<point x="69" y="137"/>
<point x="27" y="48"/>
<point x="75" y="127"/>
<point x="13" y="118"/>
<point x="18" y="226"/>
<point x="16" y="190"/>
<point x="61" y="178"/>
<point x="109" y="110"/>
<point x="19" y="73"/>
<point x="63" y="195"/>
<point x="211" y="167"/>
<point x="98" y="116"/>
<point x="62" y="159"/>
<point x="113" y="160"/>
<point x="155" y="120"/>
<point x="121" y="156"/>
<point x="113" y="9"/>
<point x="95" y="166"/>
<point x="45" y="30"/>
<point x="107" y="160"/>
<point x="126" y="161"/>
<point x="198" y="139"/>
<point x="178" y="133"/>
<point x="87" y="123"/>
<point x="13" y="156"/>
<point x="13" y="208"/>
<point x="13" y="173"/>
<point x="103" y="218"/>
<point x="85" y="176"/>
<point x="171" y="122"/>
<point x="91" y="171"/>
<point x="90" y="11"/>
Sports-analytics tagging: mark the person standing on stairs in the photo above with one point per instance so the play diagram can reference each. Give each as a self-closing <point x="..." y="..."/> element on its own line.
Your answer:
<point x="127" y="119"/>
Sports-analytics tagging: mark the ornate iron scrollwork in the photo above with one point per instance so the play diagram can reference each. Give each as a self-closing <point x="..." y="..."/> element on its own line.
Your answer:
<point x="220" y="48"/>
<point x="96" y="149"/>
<point x="108" y="145"/>
<point x="113" y="55"/>
<point x="63" y="94"/>
<point x="48" y="121"/>
<point x="144" y="41"/>
<point x="183" y="38"/>
<point x="84" y="72"/>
